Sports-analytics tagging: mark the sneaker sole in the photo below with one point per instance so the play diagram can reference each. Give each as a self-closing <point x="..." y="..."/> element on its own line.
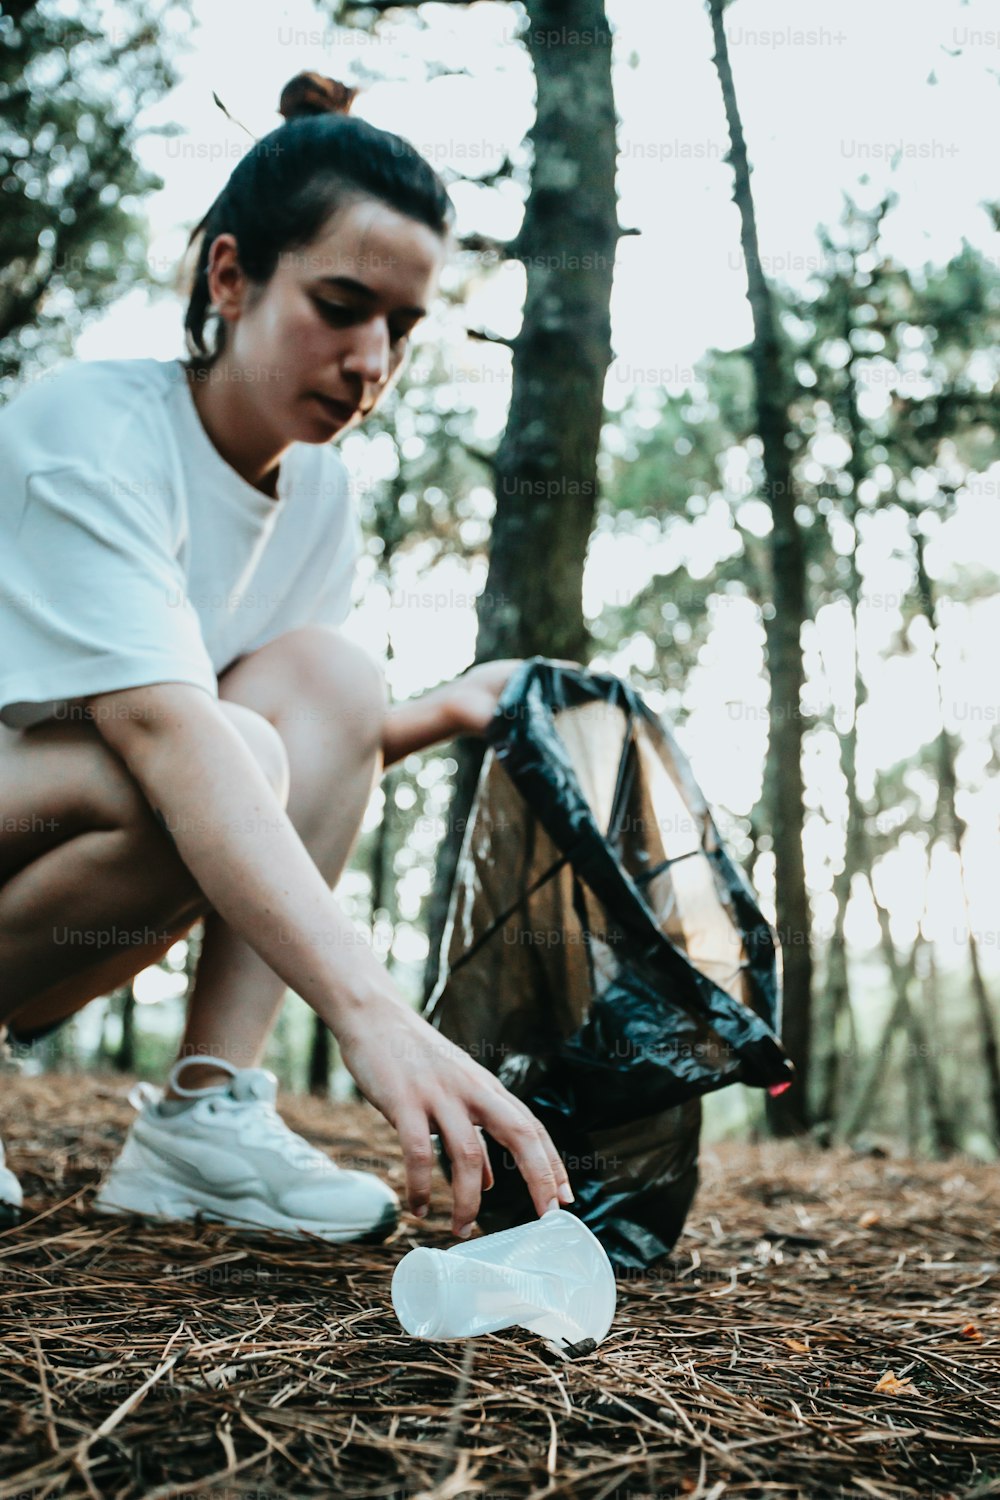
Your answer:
<point x="249" y="1214"/>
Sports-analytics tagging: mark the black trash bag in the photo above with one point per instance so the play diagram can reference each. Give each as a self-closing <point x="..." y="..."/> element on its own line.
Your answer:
<point x="603" y="955"/>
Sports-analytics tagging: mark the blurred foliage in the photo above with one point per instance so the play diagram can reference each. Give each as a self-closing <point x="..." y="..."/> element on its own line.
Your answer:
<point x="896" y="412"/>
<point x="73" y="79"/>
<point x="911" y="337"/>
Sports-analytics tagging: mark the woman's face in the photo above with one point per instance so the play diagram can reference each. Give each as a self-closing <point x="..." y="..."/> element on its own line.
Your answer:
<point x="318" y="346"/>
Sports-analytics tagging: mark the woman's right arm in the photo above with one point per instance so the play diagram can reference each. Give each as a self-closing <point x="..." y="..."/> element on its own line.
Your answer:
<point x="204" y="784"/>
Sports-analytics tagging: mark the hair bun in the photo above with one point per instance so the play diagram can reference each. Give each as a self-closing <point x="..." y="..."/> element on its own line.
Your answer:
<point x="314" y="94"/>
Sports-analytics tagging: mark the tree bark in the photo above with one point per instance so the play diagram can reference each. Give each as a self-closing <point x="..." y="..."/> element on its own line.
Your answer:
<point x="546" y="465"/>
<point x="788" y="1114"/>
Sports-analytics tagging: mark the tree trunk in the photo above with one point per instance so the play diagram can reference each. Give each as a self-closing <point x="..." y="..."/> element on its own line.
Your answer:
<point x="125" y="1052"/>
<point x="546" y="465"/>
<point x="381" y="875"/>
<point x="390" y="526"/>
<point x="832" y="1003"/>
<point x="783" y="775"/>
<point x="943" y="1137"/>
<point x="920" y="1066"/>
<point x="319" y="1059"/>
<point x="943" y="1133"/>
<point x="872" y="1075"/>
<point x="545" y="472"/>
<point x="922" y="1063"/>
<point x="955" y="832"/>
<point x="838" y="989"/>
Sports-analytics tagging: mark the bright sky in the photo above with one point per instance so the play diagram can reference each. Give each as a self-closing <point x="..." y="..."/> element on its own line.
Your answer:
<point x="823" y="103"/>
<point x="828" y="94"/>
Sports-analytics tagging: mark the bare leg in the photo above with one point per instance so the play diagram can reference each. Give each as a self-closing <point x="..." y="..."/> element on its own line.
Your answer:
<point x="92" y="888"/>
<point x="326" y="699"/>
<point x="105" y="872"/>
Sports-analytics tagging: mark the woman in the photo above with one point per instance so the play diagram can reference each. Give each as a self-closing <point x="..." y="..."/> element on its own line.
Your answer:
<point x="183" y="732"/>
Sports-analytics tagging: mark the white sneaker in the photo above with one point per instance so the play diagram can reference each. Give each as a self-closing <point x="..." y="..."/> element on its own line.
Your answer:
<point x="231" y="1158"/>
<point x="11" y="1196"/>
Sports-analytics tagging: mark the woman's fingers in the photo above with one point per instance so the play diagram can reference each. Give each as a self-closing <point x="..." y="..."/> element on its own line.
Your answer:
<point x="471" y="1175"/>
<point x="538" y="1161"/>
<point x="459" y="1099"/>
<point x="466" y="1151"/>
<point x="418" y="1157"/>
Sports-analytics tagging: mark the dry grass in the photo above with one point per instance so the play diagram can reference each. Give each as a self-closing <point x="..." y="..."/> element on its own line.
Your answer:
<point x="828" y="1327"/>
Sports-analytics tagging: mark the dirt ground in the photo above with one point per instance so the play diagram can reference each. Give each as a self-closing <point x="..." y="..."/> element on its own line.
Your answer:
<point x="827" y="1326"/>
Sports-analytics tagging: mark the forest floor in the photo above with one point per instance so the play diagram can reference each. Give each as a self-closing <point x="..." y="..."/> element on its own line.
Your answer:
<point x="827" y="1326"/>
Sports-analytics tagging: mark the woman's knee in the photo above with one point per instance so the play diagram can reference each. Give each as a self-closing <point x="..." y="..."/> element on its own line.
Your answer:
<point x="314" y="676"/>
<point x="119" y="801"/>
<point x="265" y="744"/>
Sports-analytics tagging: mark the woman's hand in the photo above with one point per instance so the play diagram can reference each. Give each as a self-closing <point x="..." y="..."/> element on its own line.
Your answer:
<point x="464" y="706"/>
<point x="422" y="1082"/>
<point x="473" y="697"/>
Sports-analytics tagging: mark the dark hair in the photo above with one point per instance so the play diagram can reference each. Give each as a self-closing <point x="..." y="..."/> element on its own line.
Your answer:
<point x="282" y="192"/>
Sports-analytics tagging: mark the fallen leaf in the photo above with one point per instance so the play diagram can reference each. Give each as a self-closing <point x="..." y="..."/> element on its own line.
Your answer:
<point x="797" y="1346"/>
<point x="891" y="1385"/>
<point x="970" y="1331"/>
<point x="868" y="1219"/>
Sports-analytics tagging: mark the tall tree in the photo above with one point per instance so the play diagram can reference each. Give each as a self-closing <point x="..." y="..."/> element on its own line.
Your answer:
<point x="784" y="789"/>
<point x="546" y="465"/>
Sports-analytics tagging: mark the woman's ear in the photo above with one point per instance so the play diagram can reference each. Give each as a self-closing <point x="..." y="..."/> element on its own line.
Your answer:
<point x="227" y="281"/>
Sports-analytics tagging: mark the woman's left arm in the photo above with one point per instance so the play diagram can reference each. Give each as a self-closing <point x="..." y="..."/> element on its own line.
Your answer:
<point x="464" y="706"/>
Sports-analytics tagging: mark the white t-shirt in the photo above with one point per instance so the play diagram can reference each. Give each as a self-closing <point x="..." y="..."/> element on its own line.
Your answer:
<point x="132" y="553"/>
